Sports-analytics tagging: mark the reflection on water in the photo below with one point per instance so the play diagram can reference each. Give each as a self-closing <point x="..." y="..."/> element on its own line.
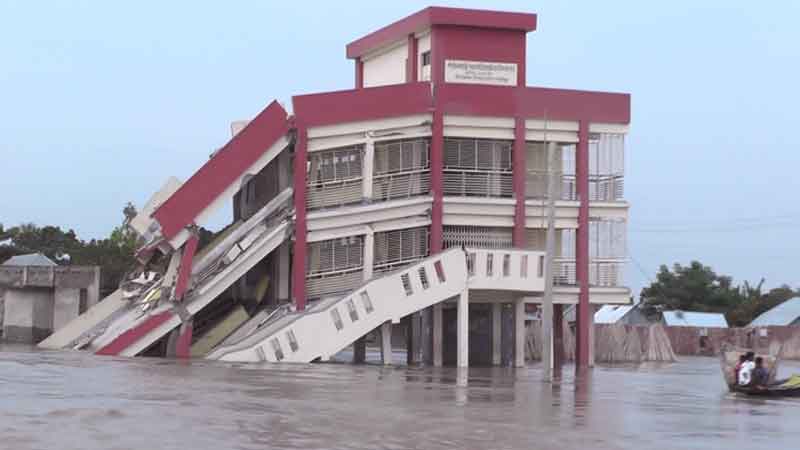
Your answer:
<point x="71" y="400"/>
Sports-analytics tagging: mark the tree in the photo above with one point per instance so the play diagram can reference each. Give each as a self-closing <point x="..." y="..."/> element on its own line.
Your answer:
<point x="692" y="288"/>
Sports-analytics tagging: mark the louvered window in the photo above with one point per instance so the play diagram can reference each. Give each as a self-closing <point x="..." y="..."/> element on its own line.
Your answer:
<point x="397" y="248"/>
<point x="477" y="167"/>
<point x="334" y="266"/>
<point x="402" y="169"/>
<point x="334" y="177"/>
<point x="606" y="167"/>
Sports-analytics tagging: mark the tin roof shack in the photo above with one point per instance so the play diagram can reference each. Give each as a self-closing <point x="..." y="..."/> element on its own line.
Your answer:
<point x="695" y="333"/>
<point x="41" y="296"/>
<point x="787" y="314"/>
<point x="620" y="314"/>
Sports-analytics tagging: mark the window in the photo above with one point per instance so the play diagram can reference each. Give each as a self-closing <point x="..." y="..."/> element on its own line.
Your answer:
<point x="423" y="278"/>
<point x="407" y="284"/>
<point x="439" y="271"/>
<point x="276" y="347"/>
<point x="426" y="58"/>
<point x="366" y="302"/>
<point x="489" y="263"/>
<point x="292" y="340"/>
<point x="337" y="319"/>
<point x="523" y="267"/>
<point x="351" y="309"/>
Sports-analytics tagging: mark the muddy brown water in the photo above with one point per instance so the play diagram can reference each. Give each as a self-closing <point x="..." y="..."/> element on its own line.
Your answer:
<point x="73" y="400"/>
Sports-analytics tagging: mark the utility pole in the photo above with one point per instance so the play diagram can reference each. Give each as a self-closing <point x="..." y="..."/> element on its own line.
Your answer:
<point x="550" y="241"/>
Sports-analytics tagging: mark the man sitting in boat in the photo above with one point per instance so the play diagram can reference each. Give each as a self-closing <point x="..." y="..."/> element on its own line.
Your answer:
<point x="760" y="375"/>
<point x="738" y="367"/>
<point x="745" y="371"/>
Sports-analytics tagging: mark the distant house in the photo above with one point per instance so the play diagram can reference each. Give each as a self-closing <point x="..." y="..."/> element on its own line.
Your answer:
<point x="785" y="314"/>
<point x="678" y="318"/>
<point x="620" y="314"/>
<point x="32" y="259"/>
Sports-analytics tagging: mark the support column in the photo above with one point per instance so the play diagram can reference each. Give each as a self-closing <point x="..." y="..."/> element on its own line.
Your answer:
<point x="93" y="290"/>
<point x="462" y="327"/>
<point x="518" y="181"/>
<point x="437" y="335"/>
<point x="411" y="59"/>
<point x="497" y="319"/>
<point x="300" y="227"/>
<point x="359" y="75"/>
<point x="360" y="351"/>
<point x="360" y="345"/>
<point x="582" y="247"/>
<point x="558" y="335"/>
<point x="437" y="181"/>
<point x="519" y="333"/>
<point x="368" y="168"/>
<point x="386" y="343"/>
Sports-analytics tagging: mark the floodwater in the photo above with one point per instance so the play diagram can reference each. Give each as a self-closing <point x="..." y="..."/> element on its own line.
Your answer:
<point x="72" y="400"/>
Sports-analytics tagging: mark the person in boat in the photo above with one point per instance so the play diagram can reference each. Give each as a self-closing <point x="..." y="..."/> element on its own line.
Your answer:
<point x="760" y="375"/>
<point x="744" y="377"/>
<point x="742" y="359"/>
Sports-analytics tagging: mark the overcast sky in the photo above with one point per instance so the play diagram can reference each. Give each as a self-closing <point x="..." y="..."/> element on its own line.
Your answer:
<point x="101" y="102"/>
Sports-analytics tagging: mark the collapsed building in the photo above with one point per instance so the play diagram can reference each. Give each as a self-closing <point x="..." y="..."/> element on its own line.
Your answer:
<point x="418" y="197"/>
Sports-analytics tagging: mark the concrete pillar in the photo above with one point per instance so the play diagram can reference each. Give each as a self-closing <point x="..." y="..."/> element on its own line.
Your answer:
<point x="519" y="333"/>
<point x="368" y="168"/>
<point x="28" y="315"/>
<point x="582" y="247"/>
<point x="462" y="329"/>
<point x="592" y="310"/>
<point x="386" y="343"/>
<point x="93" y="290"/>
<point x="558" y="335"/>
<point x="282" y="273"/>
<point x="413" y="329"/>
<point x="437" y="335"/>
<point x="66" y="306"/>
<point x="360" y="351"/>
<point x="497" y="319"/>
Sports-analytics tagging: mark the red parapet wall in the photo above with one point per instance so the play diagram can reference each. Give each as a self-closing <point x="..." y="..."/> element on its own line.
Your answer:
<point x="216" y="175"/>
<point x="356" y="105"/>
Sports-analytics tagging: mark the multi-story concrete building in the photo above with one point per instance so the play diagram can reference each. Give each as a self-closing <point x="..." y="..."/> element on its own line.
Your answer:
<point x="440" y="145"/>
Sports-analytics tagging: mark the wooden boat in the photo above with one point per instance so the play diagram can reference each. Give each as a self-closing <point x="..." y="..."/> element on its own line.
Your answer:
<point x="789" y="387"/>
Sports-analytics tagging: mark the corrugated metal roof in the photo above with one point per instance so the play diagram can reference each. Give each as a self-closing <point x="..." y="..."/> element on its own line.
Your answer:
<point x="781" y="315"/>
<point x="33" y="259"/>
<point x="612" y="313"/>
<point x="694" y="319"/>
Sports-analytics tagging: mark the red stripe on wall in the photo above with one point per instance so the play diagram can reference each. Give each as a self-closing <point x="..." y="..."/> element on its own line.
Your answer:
<point x="216" y="175"/>
<point x="183" y="346"/>
<point x="132" y="335"/>
<point x="185" y="271"/>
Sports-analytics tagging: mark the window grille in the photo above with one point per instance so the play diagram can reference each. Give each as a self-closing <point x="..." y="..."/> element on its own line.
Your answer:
<point x="402" y="169"/>
<point x="477" y="237"/>
<point x="477" y="167"/>
<point x="335" y="254"/>
<point x="276" y="347"/>
<point x="334" y="177"/>
<point x="292" y="340"/>
<point x="365" y="300"/>
<point x="397" y="248"/>
<point x="606" y="166"/>
<point x="351" y="309"/>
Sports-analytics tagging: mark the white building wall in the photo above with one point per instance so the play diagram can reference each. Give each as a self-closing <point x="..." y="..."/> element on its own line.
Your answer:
<point x="386" y="67"/>
<point x="423" y="45"/>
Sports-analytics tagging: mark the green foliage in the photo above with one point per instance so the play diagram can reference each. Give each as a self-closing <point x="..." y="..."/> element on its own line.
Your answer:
<point x="698" y="288"/>
<point x="115" y="254"/>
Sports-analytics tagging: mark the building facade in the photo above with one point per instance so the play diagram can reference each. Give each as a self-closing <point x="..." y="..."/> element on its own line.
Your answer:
<point x="440" y="144"/>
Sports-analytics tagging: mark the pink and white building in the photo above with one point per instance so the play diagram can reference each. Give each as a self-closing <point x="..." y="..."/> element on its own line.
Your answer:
<point x="420" y="193"/>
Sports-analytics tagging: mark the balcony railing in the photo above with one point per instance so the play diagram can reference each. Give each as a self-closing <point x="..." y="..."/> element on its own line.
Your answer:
<point x="601" y="273"/>
<point x="334" y="193"/>
<point x="478" y="183"/>
<point x="605" y="188"/>
<point x="401" y="184"/>
<point x="321" y="284"/>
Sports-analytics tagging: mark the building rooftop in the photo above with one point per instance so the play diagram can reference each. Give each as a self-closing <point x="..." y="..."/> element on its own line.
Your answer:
<point x="435" y="15"/>
<point x="32" y="259"/>
<point x="612" y="313"/>
<point x="679" y="318"/>
<point x="782" y="315"/>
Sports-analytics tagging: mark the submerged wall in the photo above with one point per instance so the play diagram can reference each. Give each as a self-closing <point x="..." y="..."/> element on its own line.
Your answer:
<point x="690" y="341"/>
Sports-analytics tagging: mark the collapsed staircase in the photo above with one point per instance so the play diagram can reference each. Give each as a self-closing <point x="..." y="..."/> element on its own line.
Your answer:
<point x="327" y="327"/>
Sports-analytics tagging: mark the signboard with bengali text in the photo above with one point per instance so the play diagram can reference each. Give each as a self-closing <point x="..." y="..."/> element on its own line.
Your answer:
<point x="480" y="72"/>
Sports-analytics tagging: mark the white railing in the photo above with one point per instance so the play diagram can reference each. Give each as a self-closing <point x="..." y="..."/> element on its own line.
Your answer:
<point x="606" y="188"/>
<point x="333" y="193"/>
<point x="536" y="186"/>
<point x="401" y="184"/>
<point x="478" y="183"/>
<point x="609" y="273"/>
